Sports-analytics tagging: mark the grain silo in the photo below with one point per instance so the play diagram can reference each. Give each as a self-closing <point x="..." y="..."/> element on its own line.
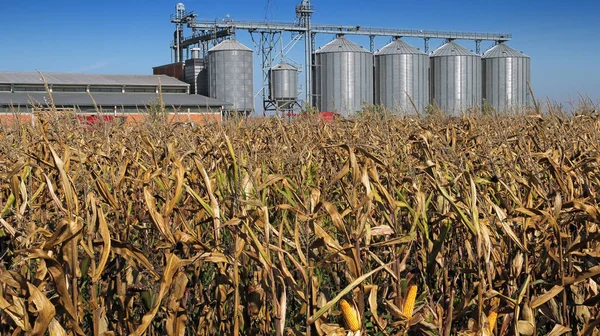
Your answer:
<point x="343" y="77"/>
<point x="455" y="78"/>
<point x="283" y="84"/>
<point x="230" y="75"/>
<point x="401" y="71"/>
<point x="505" y="76"/>
<point x="196" y="74"/>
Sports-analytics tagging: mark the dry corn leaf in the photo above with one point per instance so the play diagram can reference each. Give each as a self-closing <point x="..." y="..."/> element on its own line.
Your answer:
<point x="175" y="321"/>
<point x="332" y="329"/>
<point x="525" y="327"/>
<point x="345" y="291"/>
<point x="69" y="193"/>
<point x="172" y="265"/>
<point x="100" y="321"/>
<point x="541" y="299"/>
<point x="44" y="309"/>
<point x="157" y="218"/>
<point x="104" y="191"/>
<point x="105" y="234"/>
<point x="559" y="330"/>
<point x="17" y="312"/>
<point x="133" y="255"/>
<point x="372" y="290"/>
<point x="55" y="329"/>
<point x="59" y="280"/>
<point x="591" y="272"/>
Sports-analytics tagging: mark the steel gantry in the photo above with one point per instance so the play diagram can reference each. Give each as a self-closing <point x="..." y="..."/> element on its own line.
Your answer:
<point x="207" y="31"/>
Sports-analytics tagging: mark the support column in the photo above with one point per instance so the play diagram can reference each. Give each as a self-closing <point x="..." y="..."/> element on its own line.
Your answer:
<point x="308" y="62"/>
<point x="177" y="46"/>
<point x="303" y="13"/>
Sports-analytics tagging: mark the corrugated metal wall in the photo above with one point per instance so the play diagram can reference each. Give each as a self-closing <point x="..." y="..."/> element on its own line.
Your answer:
<point x="230" y="73"/>
<point x="343" y="77"/>
<point x="196" y="74"/>
<point x="401" y="71"/>
<point x="456" y="79"/>
<point x="506" y="73"/>
<point x="283" y="82"/>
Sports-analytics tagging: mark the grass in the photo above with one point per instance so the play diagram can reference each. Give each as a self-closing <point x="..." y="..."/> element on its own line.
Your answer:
<point x="260" y="227"/>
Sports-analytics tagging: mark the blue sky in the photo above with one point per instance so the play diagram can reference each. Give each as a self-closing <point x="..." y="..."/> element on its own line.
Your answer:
<point x="128" y="37"/>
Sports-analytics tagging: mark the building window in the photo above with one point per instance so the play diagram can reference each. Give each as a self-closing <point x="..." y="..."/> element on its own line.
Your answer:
<point x="174" y="90"/>
<point x="56" y="88"/>
<point x="4" y="88"/>
<point x="105" y="89"/>
<point x="141" y="89"/>
<point x="29" y="88"/>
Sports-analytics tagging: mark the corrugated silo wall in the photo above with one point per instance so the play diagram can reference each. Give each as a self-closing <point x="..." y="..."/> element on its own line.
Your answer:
<point x="230" y="78"/>
<point x="398" y="76"/>
<point x="456" y="83"/>
<point x="196" y="74"/>
<point x="505" y="83"/>
<point x="343" y="81"/>
<point x="284" y="84"/>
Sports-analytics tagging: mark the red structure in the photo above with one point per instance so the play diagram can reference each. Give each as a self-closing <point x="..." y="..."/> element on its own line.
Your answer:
<point x="172" y="70"/>
<point x="327" y="117"/>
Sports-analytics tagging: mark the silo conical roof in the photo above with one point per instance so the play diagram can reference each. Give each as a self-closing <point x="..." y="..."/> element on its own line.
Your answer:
<point x="341" y="44"/>
<point x="452" y="49"/>
<point x="283" y="66"/>
<point x="501" y="51"/>
<point x="399" y="47"/>
<point x="229" y="45"/>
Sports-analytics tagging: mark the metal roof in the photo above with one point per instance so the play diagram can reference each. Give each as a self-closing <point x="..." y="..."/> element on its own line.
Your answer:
<point x="341" y="44"/>
<point x="503" y="51"/>
<point x="107" y="99"/>
<point x="283" y="66"/>
<point x="399" y="47"/>
<point x="452" y="49"/>
<point x="229" y="45"/>
<point x="87" y="79"/>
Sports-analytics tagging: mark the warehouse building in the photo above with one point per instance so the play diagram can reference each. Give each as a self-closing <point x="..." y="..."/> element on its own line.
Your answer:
<point x="24" y="93"/>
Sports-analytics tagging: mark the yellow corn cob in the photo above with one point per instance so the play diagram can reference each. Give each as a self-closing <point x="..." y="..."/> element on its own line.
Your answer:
<point x="492" y="320"/>
<point x="409" y="301"/>
<point x="350" y="315"/>
<point x="493" y="314"/>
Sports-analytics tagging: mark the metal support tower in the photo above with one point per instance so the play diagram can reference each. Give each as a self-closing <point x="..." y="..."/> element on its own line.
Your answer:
<point x="266" y="45"/>
<point x="212" y="31"/>
<point x="180" y="18"/>
<point x="303" y="13"/>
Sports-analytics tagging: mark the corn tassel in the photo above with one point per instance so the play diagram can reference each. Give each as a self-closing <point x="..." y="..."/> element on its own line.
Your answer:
<point x="350" y="315"/>
<point x="409" y="301"/>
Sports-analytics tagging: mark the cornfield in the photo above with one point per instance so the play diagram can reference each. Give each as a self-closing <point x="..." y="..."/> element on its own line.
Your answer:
<point x="262" y="227"/>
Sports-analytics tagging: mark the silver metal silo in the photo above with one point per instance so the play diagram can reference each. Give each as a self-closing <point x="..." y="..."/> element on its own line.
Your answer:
<point x="455" y="78"/>
<point x="283" y="83"/>
<point x="506" y="73"/>
<point x="196" y="74"/>
<point x="401" y="70"/>
<point x="230" y="76"/>
<point x="343" y="77"/>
